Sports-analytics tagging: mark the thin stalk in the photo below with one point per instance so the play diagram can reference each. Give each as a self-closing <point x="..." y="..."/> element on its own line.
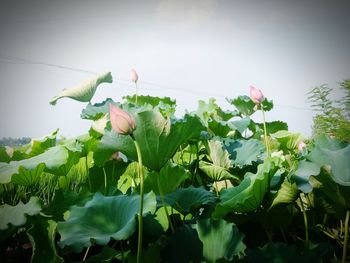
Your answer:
<point x="140" y="171"/>
<point x="87" y="172"/>
<point x="86" y="253"/>
<point x="346" y="235"/>
<point x="216" y="188"/>
<point x="136" y="93"/>
<point x="164" y="205"/>
<point x="265" y="132"/>
<point x="305" y="222"/>
<point x="105" y="177"/>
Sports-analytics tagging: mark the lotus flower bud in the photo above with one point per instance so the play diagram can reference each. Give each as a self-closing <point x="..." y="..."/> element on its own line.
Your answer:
<point x="134" y="76"/>
<point x="121" y="121"/>
<point x="256" y="95"/>
<point x="301" y="146"/>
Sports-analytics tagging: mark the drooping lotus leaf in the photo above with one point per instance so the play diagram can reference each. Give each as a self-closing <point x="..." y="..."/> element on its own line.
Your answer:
<point x="244" y="152"/>
<point x="42" y="237"/>
<point x="169" y="177"/>
<point x="85" y="91"/>
<point x="243" y="104"/>
<point x="328" y="152"/>
<point x="57" y="160"/>
<point x="273" y="127"/>
<point x="183" y="246"/>
<point x="16" y="215"/>
<point x="158" y="137"/>
<point x="5" y="156"/>
<point x="287" y="193"/>
<point x="165" y="105"/>
<point x="218" y="128"/>
<point x="187" y="200"/>
<point x="217" y="173"/>
<point x="97" y="110"/>
<point x="247" y="107"/>
<point x="38" y="146"/>
<point x="63" y="200"/>
<point x="288" y="139"/>
<point x="303" y="173"/>
<point x="221" y="240"/>
<point x="249" y="194"/>
<point x="240" y="125"/>
<point x="218" y="153"/>
<point x="103" y="218"/>
<point x="27" y="177"/>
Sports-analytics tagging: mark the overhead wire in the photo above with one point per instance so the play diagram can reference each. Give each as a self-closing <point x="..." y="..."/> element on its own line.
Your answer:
<point x="20" y="60"/>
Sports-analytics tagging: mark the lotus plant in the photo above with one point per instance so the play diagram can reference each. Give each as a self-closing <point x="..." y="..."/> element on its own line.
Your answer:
<point x="124" y="123"/>
<point x="258" y="97"/>
<point x="134" y="78"/>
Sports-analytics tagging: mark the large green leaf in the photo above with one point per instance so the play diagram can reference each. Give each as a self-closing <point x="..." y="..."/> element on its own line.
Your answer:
<point x="329" y="153"/>
<point x="218" y="154"/>
<point x="243" y="104"/>
<point x="158" y="137"/>
<point x="240" y="125"/>
<point x="170" y="177"/>
<point x="288" y="139"/>
<point x="189" y="200"/>
<point x="244" y="152"/>
<point x="217" y="173"/>
<point x="303" y="173"/>
<point x="16" y="215"/>
<point x="165" y="105"/>
<point x="248" y="195"/>
<point x="287" y="193"/>
<point x="103" y="218"/>
<point x="97" y="110"/>
<point x="183" y="246"/>
<point x="38" y="146"/>
<point x="42" y="237"/>
<point x="28" y="177"/>
<point x="57" y="160"/>
<point x="85" y="91"/>
<point x="221" y="240"/>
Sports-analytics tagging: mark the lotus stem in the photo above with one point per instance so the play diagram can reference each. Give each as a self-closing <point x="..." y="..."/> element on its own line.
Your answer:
<point x="305" y="222"/>
<point x="136" y="93"/>
<point x="265" y="132"/>
<point x="140" y="171"/>
<point x="86" y="253"/>
<point x="163" y="202"/>
<point x="346" y="235"/>
<point x="105" y="177"/>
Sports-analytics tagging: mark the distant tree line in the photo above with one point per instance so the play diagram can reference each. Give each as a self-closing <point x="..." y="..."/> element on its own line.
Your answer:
<point x="9" y="141"/>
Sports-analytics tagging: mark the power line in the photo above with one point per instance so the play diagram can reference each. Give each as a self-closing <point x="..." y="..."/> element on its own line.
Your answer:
<point x="19" y="60"/>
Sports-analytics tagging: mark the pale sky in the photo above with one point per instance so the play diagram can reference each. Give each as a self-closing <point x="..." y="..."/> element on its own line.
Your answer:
<point x="185" y="49"/>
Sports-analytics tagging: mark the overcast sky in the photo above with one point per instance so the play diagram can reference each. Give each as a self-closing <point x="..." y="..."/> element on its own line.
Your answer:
<point x="185" y="49"/>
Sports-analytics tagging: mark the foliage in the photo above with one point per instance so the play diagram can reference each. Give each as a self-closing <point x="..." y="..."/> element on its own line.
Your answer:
<point x="213" y="191"/>
<point x="333" y="116"/>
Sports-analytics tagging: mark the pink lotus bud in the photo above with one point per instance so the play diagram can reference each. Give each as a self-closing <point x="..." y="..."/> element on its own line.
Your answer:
<point x="301" y="146"/>
<point x="256" y="95"/>
<point x="121" y="121"/>
<point x="134" y="76"/>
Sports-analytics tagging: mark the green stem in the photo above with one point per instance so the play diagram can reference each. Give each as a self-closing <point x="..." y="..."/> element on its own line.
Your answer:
<point x="136" y="93"/>
<point x="105" y="177"/>
<point x="86" y="253"/>
<point x="265" y="132"/>
<point x="87" y="172"/>
<point x="305" y="222"/>
<point x="346" y="235"/>
<point x="164" y="205"/>
<point x="140" y="171"/>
